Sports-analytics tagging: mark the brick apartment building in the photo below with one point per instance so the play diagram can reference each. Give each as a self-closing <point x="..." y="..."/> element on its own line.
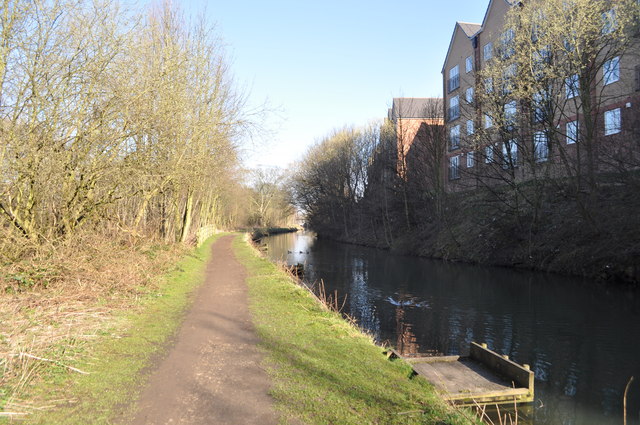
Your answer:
<point x="524" y="139"/>
<point x="412" y="118"/>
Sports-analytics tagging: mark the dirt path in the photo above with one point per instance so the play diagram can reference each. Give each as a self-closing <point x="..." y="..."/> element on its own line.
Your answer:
<point x="212" y="373"/>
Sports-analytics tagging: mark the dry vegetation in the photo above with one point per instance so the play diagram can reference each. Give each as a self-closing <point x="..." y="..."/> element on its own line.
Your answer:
<point x="55" y="301"/>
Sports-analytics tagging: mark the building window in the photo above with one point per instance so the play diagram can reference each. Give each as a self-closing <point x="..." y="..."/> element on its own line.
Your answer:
<point x="536" y="27"/>
<point x="508" y="48"/>
<point x="454" y="108"/>
<point x="509" y="154"/>
<point x="468" y="94"/>
<point x="487" y="51"/>
<point x="469" y="127"/>
<point x="609" y="22"/>
<point x="540" y="147"/>
<point x="468" y="64"/>
<point x="572" y="86"/>
<point x="510" y="114"/>
<point x="508" y="76"/>
<point x="488" y="85"/>
<point x="541" y="60"/>
<point x="611" y="71"/>
<point x="488" y="154"/>
<point x="539" y="106"/>
<point x="569" y="44"/>
<point x="470" y="159"/>
<point x="454" y="78"/>
<point x="544" y="54"/>
<point x="454" y="136"/>
<point x="572" y="132"/>
<point x="612" y="122"/>
<point x="488" y="121"/>
<point x="454" y="167"/>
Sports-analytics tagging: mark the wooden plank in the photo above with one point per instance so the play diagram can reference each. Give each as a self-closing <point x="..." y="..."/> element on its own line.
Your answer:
<point x="517" y="395"/>
<point x="484" y="377"/>
<point x="433" y="359"/>
<point x="468" y="381"/>
<point x="462" y="376"/>
<point x="522" y="376"/>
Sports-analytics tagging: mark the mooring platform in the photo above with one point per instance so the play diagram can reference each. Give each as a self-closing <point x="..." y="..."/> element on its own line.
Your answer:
<point x="483" y="377"/>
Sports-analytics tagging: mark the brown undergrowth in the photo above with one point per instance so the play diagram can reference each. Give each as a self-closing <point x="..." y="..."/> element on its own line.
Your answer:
<point x="55" y="298"/>
<point x="497" y="227"/>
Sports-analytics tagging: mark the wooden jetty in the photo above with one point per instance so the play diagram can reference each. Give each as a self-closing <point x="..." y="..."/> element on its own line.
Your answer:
<point x="483" y="377"/>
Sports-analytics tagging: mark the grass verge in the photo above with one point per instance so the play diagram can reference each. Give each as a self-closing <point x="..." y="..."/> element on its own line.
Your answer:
<point x="324" y="370"/>
<point x="117" y="358"/>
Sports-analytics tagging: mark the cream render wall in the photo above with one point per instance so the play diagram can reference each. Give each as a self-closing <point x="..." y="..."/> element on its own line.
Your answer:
<point x="493" y="24"/>
<point x="460" y="49"/>
<point x="627" y="84"/>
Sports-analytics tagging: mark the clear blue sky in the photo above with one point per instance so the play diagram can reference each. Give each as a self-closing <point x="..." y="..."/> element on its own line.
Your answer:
<point x="326" y="64"/>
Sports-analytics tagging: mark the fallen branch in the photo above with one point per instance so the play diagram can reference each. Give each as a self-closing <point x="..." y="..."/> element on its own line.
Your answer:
<point x="12" y="414"/>
<point x="31" y="356"/>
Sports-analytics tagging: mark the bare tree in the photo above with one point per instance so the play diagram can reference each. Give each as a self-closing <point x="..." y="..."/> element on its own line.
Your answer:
<point x="545" y="93"/>
<point x="332" y="179"/>
<point x="106" y="115"/>
<point x="270" y="200"/>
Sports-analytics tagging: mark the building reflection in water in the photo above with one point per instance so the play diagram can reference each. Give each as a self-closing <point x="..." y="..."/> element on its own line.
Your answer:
<point x="406" y="342"/>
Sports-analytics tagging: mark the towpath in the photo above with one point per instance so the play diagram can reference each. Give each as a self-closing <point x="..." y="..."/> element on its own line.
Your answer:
<point x="212" y="373"/>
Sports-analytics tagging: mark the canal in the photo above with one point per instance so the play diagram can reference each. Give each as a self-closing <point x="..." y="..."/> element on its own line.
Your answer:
<point x="581" y="339"/>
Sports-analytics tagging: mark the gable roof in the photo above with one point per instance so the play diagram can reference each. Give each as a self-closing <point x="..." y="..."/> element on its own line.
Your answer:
<point x="412" y="107"/>
<point x="486" y="14"/>
<point x="469" y="29"/>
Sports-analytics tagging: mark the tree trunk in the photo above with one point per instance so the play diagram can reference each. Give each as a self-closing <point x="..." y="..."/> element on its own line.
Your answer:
<point x="186" y="219"/>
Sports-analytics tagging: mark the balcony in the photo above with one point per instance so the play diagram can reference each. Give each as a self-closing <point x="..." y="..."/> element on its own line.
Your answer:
<point x="454" y="143"/>
<point x="453" y="83"/>
<point x="454" y="167"/>
<point x="539" y="115"/>
<point x="453" y="113"/>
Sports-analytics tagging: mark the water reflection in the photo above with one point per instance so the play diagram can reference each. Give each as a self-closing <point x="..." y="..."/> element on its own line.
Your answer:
<point x="581" y="340"/>
<point x="361" y="298"/>
<point x="406" y="341"/>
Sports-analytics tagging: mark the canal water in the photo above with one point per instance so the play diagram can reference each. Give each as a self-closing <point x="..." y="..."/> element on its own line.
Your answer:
<point x="582" y="340"/>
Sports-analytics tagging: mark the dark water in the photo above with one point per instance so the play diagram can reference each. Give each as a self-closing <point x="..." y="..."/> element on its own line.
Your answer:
<point x="582" y="340"/>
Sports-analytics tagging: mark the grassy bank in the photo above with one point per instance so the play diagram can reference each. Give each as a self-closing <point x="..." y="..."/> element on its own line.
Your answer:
<point x="324" y="370"/>
<point x="123" y="345"/>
